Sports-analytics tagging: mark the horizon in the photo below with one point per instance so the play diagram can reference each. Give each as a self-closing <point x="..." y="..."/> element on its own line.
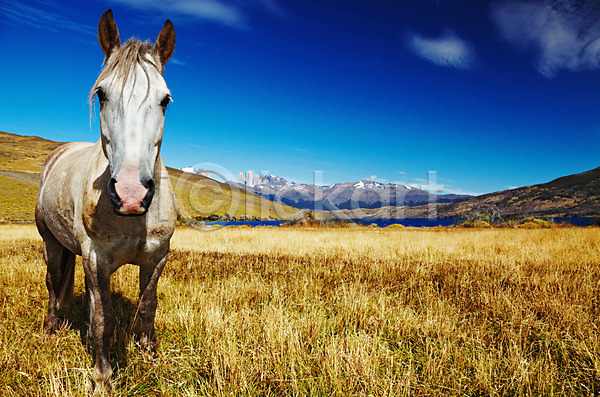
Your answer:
<point x="253" y="180"/>
<point x="491" y="95"/>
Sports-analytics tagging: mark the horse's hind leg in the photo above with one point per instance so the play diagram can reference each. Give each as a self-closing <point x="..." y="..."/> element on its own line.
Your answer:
<point x="60" y="269"/>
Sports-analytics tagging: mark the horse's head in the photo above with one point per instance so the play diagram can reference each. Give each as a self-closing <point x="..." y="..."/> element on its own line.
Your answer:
<point x="133" y="98"/>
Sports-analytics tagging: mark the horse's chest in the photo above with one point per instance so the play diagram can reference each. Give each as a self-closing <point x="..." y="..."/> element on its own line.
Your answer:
<point x="132" y="249"/>
<point x="125" y="239"/>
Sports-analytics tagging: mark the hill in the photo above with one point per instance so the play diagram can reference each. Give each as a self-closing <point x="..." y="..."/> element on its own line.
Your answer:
<point x="198" y="197"/>
<point x="21" y="158"/>
<point x="572" y="195"/>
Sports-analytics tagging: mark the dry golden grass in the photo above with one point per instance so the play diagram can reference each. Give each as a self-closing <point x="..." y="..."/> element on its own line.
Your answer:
<point x="285" y="311"/>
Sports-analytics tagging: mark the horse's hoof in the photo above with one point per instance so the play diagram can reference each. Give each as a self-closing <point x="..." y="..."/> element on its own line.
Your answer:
<point x="50" y="326"/>
<point x="149" y="346"/>
<point x="102" y="386"/>
<point x="50" y="331"/>
<point x="103" y="389"/>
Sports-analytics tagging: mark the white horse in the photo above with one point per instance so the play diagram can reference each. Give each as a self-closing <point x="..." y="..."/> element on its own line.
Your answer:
<point x="112" y="202"/>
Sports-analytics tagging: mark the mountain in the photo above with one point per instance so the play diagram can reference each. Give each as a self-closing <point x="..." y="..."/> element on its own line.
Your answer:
<point x="341" y="196"/>
<point x="198" y="197"/>
<point x="572" y="195"/>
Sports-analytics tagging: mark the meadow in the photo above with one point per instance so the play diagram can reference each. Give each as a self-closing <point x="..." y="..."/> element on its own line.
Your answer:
<point x="318" y="311"/>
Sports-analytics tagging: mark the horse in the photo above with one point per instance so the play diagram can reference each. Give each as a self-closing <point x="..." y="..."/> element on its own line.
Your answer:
<point x="111" y="202"/>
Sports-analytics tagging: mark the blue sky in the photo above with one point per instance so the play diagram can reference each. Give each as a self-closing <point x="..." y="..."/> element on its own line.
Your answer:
<point x="490" y="94"/>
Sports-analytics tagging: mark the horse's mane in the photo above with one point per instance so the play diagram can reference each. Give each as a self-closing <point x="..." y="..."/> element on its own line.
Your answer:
<point x="122" y="62"/>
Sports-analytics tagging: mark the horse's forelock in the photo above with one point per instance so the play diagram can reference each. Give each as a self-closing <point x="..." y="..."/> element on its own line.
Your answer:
<point x="123" y="61"/>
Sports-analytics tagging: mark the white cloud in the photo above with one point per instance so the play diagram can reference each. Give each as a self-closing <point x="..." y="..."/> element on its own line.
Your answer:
<point x="213" y="10"/>
<point x="274" y="8"/>
<point x="448" y="50"/>
<point x="440" y="189"/>
<point x="175" y="61"/>
<point x="565" y="34"/>
<point x="453" y="190"/>
<point x="219" y="11"/>
<point x="42" y="15"/>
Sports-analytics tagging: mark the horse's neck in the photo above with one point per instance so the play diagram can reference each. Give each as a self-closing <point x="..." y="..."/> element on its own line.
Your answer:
<point x="97" y="158"/>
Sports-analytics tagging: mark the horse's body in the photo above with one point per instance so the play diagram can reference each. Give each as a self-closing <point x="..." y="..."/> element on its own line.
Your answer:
<point x="95" y="199"/>
<point x="74" y="207"/>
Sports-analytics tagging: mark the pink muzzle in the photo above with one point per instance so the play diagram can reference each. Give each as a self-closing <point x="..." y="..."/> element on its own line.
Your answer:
<point x="128" y="194"/>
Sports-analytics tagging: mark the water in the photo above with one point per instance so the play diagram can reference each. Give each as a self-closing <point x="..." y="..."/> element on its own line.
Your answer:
<point x="575" y="221"/>
<point x="414" y="222"/>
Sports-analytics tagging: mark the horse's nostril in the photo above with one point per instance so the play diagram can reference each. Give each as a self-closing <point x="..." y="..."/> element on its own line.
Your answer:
<point x="148" y="184"/>
<point x="112" y="193"/>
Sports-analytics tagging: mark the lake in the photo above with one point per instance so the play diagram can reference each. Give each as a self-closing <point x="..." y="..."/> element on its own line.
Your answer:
<point x="414" y="222"/>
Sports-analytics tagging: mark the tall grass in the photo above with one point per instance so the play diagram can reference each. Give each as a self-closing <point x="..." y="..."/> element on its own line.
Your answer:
<point x="272" y="311"/>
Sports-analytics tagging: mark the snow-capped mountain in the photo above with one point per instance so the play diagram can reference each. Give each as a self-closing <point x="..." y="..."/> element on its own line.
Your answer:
<point x="351" y="195"/>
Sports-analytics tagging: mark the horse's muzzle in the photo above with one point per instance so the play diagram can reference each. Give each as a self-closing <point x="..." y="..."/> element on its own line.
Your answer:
<point x="126" y="200"/>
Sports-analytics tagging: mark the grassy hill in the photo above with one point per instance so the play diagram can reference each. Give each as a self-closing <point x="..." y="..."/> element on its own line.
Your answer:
<point x="571" y="195"/>
<point x="198" y="197"/>
<point x="21" y="158"/>
<point x="24" y="153"/>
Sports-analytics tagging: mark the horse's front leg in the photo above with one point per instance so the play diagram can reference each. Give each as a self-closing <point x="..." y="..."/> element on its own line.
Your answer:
<point x="102" y="323"/>
<point x="149" y="275"/>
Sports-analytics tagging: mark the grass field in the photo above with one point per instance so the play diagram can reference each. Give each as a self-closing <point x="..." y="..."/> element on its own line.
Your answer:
<point x="292" y="311"/>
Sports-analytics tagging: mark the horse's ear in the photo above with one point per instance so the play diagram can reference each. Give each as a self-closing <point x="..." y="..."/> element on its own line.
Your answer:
<point x="165" y="43"/>
<point x="108" y="34"/>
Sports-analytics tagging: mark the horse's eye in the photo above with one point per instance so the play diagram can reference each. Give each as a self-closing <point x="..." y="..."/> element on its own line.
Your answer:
<point x="101" y="96"/>
<point x="165" y="102"/>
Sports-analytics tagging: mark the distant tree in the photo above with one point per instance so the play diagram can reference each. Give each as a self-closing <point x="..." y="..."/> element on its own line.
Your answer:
<point x="308" y="215"/>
